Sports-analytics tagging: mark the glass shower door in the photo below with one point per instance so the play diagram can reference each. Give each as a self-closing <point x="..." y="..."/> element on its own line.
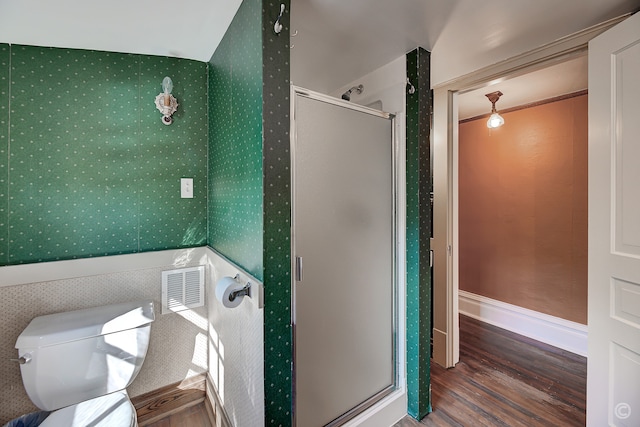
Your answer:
<point x="343" y="234"/>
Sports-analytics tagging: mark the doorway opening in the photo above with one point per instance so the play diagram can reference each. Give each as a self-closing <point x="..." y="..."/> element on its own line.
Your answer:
<point x="446" y="209"/>
<point x="522" y="205"/>
<point x="500" y="182"/>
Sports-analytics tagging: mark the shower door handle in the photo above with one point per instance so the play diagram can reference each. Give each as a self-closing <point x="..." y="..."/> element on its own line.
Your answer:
<point x="299" y="269"/>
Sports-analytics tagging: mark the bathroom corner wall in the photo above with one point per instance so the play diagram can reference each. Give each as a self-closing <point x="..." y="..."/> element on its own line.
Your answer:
<point x="91" y="170"/>
<point x="235" y="141"/>
<point x="418" y="122"/>
<point x="4" y="150"/>
<point x="178" y="343"/>
<point x="236" y="344"/>
<point x="249" y="195"/>
<point x="278" y="346"/>
<point x="88" y="169"/>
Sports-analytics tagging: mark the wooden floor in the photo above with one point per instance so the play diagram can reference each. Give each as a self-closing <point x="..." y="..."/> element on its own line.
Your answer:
<point x="193" y="416"/>
<point x="504" y="379"/>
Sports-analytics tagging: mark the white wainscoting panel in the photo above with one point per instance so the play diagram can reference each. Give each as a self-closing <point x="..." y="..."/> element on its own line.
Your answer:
<point x="236" y="351"/>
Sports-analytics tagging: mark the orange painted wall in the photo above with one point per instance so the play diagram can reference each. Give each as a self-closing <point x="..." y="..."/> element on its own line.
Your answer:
<point x="523" y="208"/>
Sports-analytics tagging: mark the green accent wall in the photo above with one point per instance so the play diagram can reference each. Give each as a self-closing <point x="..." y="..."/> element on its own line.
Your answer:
<point x="277" y="216"/>
<point x="4" y="150"/>
<point x="168" y="153"/>
<point x="91" y="170"/>
<point x="418" y="125"/>
<point x="249" y="178"/>
<point x="235" y="141"/>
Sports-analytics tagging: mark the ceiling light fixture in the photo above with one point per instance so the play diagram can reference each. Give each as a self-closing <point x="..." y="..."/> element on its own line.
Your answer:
<point x="496" y="119"/>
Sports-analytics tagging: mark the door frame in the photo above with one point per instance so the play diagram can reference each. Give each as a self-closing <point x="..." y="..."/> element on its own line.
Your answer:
<point x="446" y="338"/>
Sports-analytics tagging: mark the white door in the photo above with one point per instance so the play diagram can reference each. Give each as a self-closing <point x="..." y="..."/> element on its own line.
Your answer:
<point x="613" y="379"/>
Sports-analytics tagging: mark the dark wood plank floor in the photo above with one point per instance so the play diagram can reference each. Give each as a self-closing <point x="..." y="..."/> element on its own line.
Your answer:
<point x="504" y="379"/>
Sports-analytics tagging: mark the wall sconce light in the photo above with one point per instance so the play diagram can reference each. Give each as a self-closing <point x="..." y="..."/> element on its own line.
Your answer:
<point x="165" y="102"/>
<point x="495" y="120"/>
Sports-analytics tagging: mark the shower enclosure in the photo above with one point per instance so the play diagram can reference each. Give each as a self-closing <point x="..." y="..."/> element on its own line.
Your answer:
<point x="343" y="258"/>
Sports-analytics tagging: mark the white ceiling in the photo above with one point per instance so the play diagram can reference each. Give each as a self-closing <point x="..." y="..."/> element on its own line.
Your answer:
<point x="186" y="29"/>
<point x="559" y="79"/>
<point x="338" y="41"/>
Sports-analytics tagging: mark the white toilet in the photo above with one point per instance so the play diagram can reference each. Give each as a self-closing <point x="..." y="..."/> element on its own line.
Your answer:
<point x="79" y="363"/>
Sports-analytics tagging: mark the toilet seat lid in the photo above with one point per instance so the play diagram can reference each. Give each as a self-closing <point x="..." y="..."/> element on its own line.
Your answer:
<point x="111" y="410"/>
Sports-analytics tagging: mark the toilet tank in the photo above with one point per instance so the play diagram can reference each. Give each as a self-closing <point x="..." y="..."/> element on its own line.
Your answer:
<point x="78" y="355"/>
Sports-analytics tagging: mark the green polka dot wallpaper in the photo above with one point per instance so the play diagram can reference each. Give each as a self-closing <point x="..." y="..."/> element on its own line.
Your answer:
<point x="418" y="125"/>
<point x="249" y="191"/>
<point x="4" y="149"/>
<point x="235" y="142"/>
<point x="277" y="217"/>
<point x="91" y="169"/>
<point x="170" y="153"/>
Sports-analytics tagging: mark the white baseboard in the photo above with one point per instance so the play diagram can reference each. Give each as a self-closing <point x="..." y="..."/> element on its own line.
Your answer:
<point x="561" y="333"/>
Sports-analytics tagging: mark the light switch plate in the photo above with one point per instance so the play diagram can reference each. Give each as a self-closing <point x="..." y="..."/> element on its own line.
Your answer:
<point x="186" y="188"/>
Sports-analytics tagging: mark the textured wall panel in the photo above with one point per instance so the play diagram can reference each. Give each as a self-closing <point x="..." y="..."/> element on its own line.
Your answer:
<point x="177" y="348"/>
<point x="236" y="356"/>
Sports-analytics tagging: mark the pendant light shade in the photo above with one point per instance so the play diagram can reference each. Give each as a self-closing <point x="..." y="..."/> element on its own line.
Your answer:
<point x="496" y="119"/>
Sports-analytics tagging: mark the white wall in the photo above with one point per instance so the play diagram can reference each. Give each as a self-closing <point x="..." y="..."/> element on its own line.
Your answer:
<point x="178" y="343"/>
<point x="386" y="84"/>
<point x="236" y="350"/>
<point x="225" y="343"/>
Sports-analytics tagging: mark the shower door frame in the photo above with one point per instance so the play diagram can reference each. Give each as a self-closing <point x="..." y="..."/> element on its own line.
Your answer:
<point x="395" y="199"/>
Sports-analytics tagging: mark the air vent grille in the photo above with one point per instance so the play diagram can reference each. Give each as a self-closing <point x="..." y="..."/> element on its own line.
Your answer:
<point x="182" y="289"/>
